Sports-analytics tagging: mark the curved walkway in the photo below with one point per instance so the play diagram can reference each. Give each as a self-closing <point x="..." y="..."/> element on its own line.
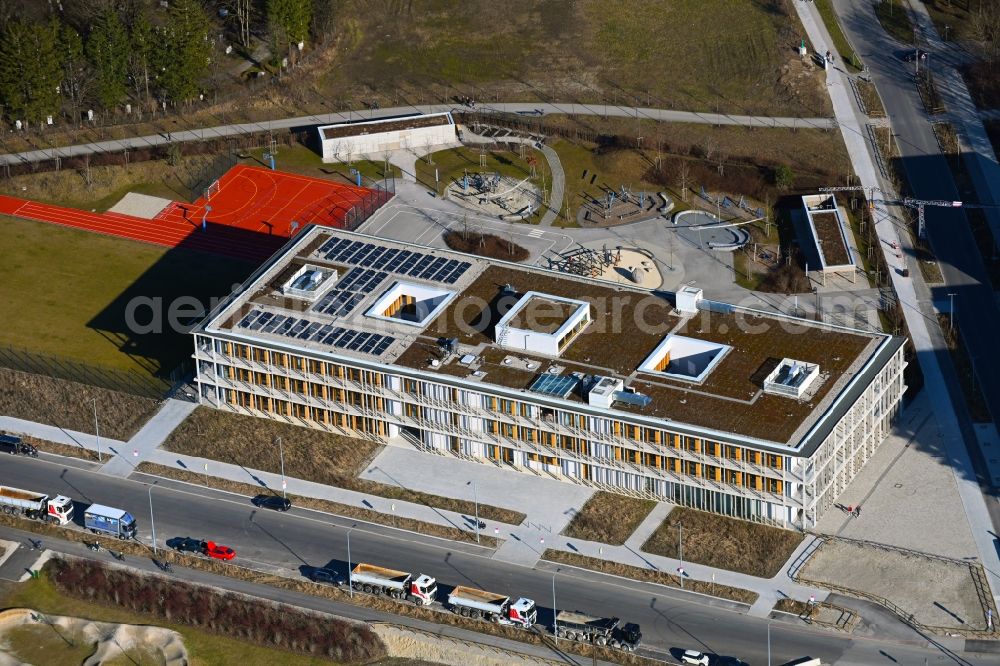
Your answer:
<point x="527" y="108"/>
<point x="555" y="168"/>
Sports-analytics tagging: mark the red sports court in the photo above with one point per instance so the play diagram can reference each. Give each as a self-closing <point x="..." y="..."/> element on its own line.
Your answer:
<point x="247" y="214"/>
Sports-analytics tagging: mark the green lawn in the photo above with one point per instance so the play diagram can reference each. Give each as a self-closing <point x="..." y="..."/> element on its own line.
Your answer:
<point x="67" y="292"/>
<point x="450" y="166"/>
<point x="303" y="160"/>
<point x="204" y="648"/>
<point x="685" y="54"/>
<point x="895" y="20"/>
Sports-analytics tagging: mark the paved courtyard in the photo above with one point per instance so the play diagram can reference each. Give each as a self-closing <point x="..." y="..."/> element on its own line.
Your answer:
<point x="907" y="492"/>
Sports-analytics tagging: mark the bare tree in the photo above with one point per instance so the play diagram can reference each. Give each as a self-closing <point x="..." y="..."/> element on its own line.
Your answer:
<point x="683" y="172"/>
<point x="243" y="12"/>
<point x="708" y="148"/>
<point x="720" y="162"/>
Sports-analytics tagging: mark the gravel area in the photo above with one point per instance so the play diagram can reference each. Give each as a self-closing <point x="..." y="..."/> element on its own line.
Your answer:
<point x="937" y="592"/>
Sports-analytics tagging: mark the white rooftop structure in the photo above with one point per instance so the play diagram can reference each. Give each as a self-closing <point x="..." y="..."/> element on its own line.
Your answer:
<point x="542" y="323"/>
<point x="684" y="358"/>
<point x="791" y="378"/>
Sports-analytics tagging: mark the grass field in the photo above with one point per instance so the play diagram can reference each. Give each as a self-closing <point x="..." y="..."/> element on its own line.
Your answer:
<point x="70" y="405"/>
<point x="205" y="648"/>
<point x="303" y="160"/>
<point x="68" y="292"/>
<point x="108" y="184"/>
<point x="608" y="518"/>
<point x="310" y="454"/>
<point x="689" y="54"/>
<point x="895" y="20"/>
<point x="725" y="543"/>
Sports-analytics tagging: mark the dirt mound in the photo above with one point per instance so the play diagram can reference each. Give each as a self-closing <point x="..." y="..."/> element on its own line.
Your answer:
<point x="110" y="639"/>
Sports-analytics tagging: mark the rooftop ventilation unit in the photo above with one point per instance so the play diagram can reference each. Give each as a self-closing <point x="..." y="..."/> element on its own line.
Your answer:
<point x="791" y="378"/>
<point x="687" y="299"/>
<point x="630" y="397"/>
<point x="602" y="393"/>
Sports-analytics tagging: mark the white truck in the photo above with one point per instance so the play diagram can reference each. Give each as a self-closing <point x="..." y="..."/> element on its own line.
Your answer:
<point x="373" y="579"/>
<point x="56" y="510"/>
<point x="491" y="606"/>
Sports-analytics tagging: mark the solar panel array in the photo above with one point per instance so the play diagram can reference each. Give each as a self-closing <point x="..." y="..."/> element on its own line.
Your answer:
<point x="394" y="260"/>
<point x="307" y="330"/>
<point x="349" y="291"/>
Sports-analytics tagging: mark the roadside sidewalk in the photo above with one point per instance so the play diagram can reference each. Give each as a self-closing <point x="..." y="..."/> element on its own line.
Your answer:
<point x="150" y="437"/>
<point x="847" y="115"/>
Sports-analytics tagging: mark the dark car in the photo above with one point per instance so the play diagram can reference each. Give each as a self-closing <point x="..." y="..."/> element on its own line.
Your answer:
<point x="328" y="576"/>
<point x="14" y="446"/>
<point x="272" y="502"/>
<point x="187" y="545"/>
<point x="915" y="54"/>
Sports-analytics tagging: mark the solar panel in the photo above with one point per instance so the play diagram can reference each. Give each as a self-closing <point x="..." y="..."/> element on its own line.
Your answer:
<point x="346" y="338"/>
<point x="382" y="345"/>
<point x="559" y="386"/>
<point x="286" y="326"/>
<point x="309" y="332"/>
<point x="274" y="323"/>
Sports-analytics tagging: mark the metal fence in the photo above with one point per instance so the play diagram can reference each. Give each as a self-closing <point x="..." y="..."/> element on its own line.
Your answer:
<point x="113" y="379"/>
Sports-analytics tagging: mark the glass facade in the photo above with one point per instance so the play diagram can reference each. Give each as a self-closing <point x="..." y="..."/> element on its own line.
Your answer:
<point x="611" y="450"/>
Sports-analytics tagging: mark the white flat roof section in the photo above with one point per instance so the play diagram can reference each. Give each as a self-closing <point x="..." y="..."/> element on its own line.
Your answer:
<point x="686" y="358"/>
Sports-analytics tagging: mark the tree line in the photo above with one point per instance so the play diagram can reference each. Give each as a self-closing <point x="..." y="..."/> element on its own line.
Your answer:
<point x="71" y="58"/>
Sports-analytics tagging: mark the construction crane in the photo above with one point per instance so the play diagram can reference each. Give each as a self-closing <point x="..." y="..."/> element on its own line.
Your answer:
<point x="909" y="202"/>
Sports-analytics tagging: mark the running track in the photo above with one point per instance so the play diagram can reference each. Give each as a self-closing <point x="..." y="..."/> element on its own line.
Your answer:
<point x="249" y="217"/>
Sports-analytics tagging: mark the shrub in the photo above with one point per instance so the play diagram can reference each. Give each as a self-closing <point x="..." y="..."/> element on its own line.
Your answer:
<point x="783" y="177"/>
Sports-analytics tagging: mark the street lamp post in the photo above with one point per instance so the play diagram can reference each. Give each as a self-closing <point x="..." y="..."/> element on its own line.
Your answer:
<point x="97" y="433"/>
<point x="951" y="311"/>
<point x="281" y="455"/>
<point x="680" y="552"/>
<point x="350" y="575"/>
<point x="555" y="621"/>
<point x="475" y="496"/>
<point x="768" y="644"/>
<point x="152" y="524"/>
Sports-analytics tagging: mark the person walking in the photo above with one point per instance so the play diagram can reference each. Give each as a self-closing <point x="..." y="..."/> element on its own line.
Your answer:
<point x="857" y="511"/>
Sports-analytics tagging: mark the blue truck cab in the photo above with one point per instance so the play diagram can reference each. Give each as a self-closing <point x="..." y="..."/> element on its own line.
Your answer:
<point x="101" y="519"/>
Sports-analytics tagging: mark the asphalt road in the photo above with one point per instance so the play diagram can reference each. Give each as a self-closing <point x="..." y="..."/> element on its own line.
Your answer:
<point x="301" y="538"/>
<point x="929" y="176"/>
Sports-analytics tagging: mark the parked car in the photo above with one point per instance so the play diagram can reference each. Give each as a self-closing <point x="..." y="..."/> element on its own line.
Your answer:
<point x="915" y="54"/>
<point x="187" y="545"/>
<point x="328" y="576"/>
<point x="695" y="658"/>
<point x="272" y="502"/>
<point x="218" y="551"/>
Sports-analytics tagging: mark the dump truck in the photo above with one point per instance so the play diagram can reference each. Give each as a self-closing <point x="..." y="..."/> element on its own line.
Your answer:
<point x="56" y="510"/>
<point x="470" y="602"/>
<point x="100" y="519"/>
<point x="13" y="445"/>
<point x="610" y="631"/>
<point x="373" y="579"/>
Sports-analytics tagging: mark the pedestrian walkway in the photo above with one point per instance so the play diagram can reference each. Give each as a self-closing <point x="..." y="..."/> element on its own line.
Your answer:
<point x="149" y="438"/>
<point x="848" y="118"/>
<point x="20" y="559"/>
<point x="555" y="168"/>
<point x="223" y="131"/>
<point x="50" y="433"/>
